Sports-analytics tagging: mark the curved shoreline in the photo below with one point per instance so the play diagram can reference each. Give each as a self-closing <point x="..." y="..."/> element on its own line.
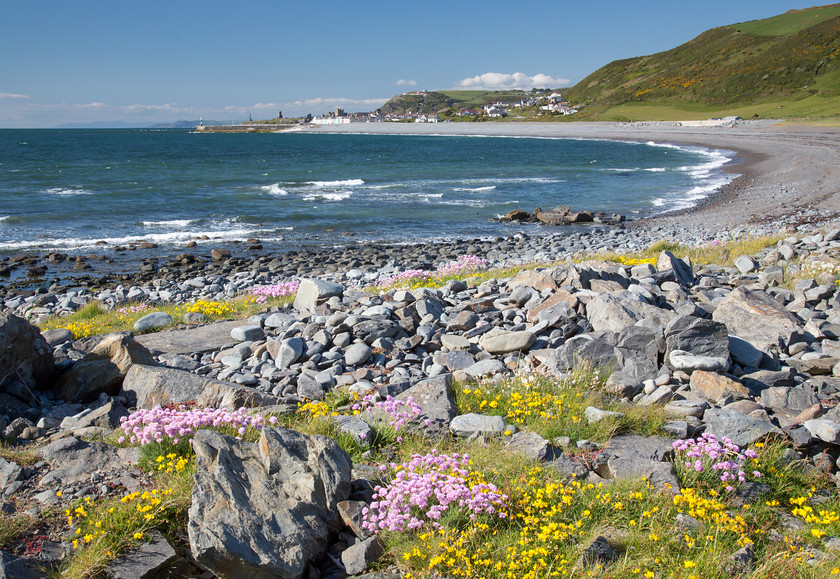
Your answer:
<point x="786" y="176"/>
<point x="784" y="172"/>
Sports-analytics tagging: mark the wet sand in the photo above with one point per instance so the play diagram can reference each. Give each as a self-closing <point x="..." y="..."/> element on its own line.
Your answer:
<point x="785" y="172"/>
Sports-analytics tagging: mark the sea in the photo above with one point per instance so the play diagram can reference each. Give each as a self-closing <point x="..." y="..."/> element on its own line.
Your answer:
<point x="80" y="191"/>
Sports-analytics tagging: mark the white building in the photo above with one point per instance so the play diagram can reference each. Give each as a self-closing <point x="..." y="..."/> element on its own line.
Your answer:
<point x="330" y="121"/>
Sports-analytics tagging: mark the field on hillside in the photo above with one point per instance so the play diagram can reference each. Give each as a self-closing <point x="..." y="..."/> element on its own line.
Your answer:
<point x="788" y="23"/>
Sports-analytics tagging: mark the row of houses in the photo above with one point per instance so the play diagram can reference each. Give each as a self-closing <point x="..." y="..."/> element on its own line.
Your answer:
<point x="552" y="103"/>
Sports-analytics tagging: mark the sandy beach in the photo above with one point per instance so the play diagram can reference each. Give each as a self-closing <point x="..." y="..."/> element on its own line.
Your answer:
<point x="784" y="171"/>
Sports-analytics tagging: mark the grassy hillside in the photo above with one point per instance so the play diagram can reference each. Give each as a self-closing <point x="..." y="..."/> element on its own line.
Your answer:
<point x="790" y="22"/>
<point x="788" y="61"/>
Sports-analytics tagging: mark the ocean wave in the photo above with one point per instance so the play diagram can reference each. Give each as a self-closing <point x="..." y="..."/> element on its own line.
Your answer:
<point x="476" y="189"/>
<point x="341" y="196"/>
<point x="345" y="183"/>
<point x="667" y="146"/>
<point x="67" y="192"/>
<point x="274" y="189"/>
<point x="170" y="238"/>
<point x="634" y="169"/>
<point x="4" y="218"/>
<point x="675" y="202"/>
<point x="168" y="223"/>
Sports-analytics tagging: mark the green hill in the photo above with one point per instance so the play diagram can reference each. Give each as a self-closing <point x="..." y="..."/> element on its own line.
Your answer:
<point x="788" y="62"/>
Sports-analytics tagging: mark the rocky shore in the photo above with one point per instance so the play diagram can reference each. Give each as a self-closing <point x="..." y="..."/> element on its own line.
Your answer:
<point x="725" y="350"/>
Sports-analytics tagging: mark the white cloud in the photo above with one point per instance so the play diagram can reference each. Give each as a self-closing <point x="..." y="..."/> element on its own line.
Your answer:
<point x="501" y="81"/>
<point x="404" y="82"/>
<point x="11" y="95"/>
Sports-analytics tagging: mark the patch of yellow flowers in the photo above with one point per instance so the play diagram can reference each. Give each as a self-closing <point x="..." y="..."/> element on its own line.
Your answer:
<point x="149" y="505"/>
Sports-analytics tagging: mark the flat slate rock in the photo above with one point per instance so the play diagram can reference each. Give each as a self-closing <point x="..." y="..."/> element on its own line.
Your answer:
<point x="147" y="561"/>
<point x="194" y="340"/>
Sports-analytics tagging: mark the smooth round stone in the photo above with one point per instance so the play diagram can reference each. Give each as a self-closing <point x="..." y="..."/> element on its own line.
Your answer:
<point x="247" y="333"/>
<point x="357" y="354"/>
<point x="454" y="342"/>
<point x="153" y="320"/>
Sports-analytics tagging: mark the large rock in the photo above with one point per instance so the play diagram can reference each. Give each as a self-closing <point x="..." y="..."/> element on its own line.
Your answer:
<point x="285" y="352"/>
<point x="698" y="336"/>
<point x="14" y="567"/>
<point x="532" y="446"/>
<point x="434" y="396"/>
<point x="633" y="456"/>
<point x="792" y="399"/>
<point x="759" y="319"/>
<point x="314" y="292"/>
<point x="371" y="330"/>
<point x="103" y="369"/>
<point x="152" y="321"/>
<point x="713" y="386"/>
<point x="505" y="342"/>
<point x="614" y="312"/>
<point x="688" y="363"/>
<point x="741" y="429"/>
<point x="682" y="268"/>
<point x="26" y="360"/>
<point x="825" y="430"/>
<point x="192" y="340"/>
<point x="150" y="386"/>
<point x="74" y="460"/>
<point x="362" y="555"/>
<point x="631" y="365"/>
<point x="467" y="425"/>
<point x="148" y="560"/>
<point x="265" y="510"/>
<point x="538" y="279"/>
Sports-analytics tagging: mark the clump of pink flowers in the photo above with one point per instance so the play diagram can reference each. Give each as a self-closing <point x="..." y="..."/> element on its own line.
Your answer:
<point x="424" y="488"/>
<point x="133" y="309"/>
<point x="177" y="424"/>
<point x="397" y="412"/>
<point x="464" y="264"/>
<point x="405" y="277"/>
<point x="281" y="289"/>
<point x="711" y="460"/>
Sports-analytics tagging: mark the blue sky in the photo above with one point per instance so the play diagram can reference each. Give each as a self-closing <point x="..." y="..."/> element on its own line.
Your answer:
<point x="141" y="62"/>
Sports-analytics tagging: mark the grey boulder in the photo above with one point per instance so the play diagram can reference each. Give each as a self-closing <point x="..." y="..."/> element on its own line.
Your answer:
<point x="265" y="510"/>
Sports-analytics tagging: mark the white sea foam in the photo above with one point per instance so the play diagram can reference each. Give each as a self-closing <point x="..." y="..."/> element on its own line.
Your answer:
<point x="168" y="223"/>
<point x="635" y="169"/>
<point x="673" y="202"/>
<point x="340" y="196"/>
<point x="66" y="192"/>
<point x="476" y="189"/>
<point x="274" y="189"/>
<point x="345" y="183"/>
<point x="176" y="237"/>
